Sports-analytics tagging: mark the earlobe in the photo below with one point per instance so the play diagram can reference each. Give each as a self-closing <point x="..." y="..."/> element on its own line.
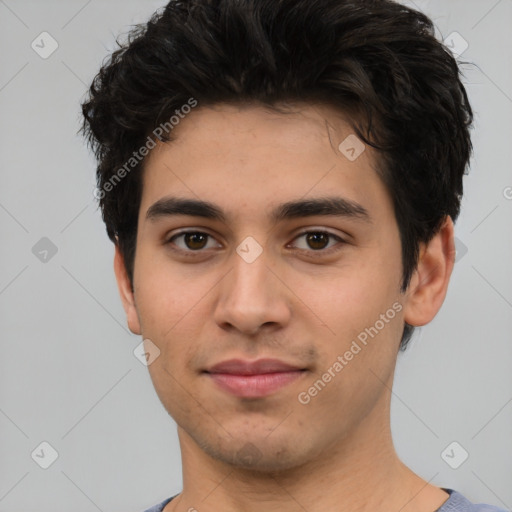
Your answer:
<point x="429" y="284"/>
<point x="126" y="293"/>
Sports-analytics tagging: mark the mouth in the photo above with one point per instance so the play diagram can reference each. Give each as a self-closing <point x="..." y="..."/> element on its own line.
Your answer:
<point x="253" y="379"/>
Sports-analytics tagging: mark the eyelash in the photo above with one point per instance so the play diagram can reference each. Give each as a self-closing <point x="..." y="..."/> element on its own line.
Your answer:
<point x="321" y="252"/>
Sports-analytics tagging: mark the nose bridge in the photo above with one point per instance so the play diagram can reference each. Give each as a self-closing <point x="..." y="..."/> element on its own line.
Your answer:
<point x="250" y="294"/>
<point x="249" y="275"/>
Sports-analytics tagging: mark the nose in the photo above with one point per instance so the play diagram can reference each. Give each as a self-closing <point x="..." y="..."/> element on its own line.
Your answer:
<point x="252" y="296"/>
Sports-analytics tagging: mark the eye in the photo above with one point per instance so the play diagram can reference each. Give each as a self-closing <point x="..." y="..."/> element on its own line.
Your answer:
<point x="319" y="240"/>
<point x="315" y="240"/>
<point x="194" y="241"/>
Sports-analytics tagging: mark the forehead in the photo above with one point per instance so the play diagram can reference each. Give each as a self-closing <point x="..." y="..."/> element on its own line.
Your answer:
<point x="251" y="157"/>
<point x="286" y="123"/>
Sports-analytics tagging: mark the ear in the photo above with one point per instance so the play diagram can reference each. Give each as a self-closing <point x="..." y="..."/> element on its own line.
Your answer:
<point x="429" y="283"/>
<point x="126" y="293"/>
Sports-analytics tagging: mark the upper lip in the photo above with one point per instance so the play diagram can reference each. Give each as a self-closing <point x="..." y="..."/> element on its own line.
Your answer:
<point x="245" y="367"/>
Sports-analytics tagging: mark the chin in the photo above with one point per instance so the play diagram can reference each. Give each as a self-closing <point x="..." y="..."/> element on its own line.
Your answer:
<point x="257" y="455"/>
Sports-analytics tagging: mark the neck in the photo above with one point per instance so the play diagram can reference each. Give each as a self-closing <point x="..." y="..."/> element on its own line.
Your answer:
<point x="360" y="473"/>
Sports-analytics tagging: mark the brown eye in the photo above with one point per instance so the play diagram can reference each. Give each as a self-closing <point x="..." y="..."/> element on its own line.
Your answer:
<point x="317" y="240"/>
<point x="195" y="240"/>
<point x="191" y="241"/>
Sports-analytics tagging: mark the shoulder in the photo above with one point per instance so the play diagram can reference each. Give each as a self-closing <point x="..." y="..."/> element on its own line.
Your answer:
<point x="455" y="503"/>
<point x="459" y="503"/>
<point x="160" y="506"/>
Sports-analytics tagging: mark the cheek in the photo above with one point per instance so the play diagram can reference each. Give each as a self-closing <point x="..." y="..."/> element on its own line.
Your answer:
<point x="166" y="294"/>
<point x="359" y="313"/>
<point x="352" y="298"/>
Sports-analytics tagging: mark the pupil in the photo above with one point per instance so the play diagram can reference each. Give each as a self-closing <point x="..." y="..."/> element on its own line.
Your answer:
<point x="190" y="236"/>
<point x="313" y="239"/>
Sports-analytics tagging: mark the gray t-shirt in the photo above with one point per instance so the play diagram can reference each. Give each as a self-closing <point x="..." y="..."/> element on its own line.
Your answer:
<point x="455" y="503"/>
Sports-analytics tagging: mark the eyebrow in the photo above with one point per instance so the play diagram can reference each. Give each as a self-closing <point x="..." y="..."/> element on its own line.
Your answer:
<point x="330" y="206"/>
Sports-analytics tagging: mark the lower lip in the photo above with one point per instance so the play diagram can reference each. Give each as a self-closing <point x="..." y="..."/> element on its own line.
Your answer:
<point x="254" y="386"/>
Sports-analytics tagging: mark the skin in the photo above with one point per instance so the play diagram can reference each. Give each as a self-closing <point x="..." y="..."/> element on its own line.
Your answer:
<point x="335" y="452"/>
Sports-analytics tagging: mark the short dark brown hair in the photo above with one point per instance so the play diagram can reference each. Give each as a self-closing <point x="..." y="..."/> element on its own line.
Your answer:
<point x="375" y="59"/>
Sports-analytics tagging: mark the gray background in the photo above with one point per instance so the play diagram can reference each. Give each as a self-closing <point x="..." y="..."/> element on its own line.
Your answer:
<point x="68" y="373"/>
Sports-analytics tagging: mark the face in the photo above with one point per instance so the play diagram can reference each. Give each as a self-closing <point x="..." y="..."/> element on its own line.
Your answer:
<point x="316" y="289"/>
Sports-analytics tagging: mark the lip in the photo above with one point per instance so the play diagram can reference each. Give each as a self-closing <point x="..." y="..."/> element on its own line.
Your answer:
<point x="253" y="379"/>
<point x="258" y="367"/>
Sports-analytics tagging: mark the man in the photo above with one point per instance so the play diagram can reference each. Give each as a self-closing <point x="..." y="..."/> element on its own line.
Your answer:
<point x="280" y="179"/>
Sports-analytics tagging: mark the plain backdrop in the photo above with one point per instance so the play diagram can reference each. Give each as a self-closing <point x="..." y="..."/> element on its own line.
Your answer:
<point x="68" y="374"/>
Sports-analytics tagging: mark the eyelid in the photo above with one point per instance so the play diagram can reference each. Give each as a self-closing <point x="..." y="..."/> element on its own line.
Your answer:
<point x="315" y="229"/>
<point x="340" y="241"/>
<point x="202" y="231"/>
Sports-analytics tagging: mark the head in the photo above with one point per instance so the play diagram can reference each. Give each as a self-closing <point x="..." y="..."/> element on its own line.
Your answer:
<point x="248" y="106"/>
